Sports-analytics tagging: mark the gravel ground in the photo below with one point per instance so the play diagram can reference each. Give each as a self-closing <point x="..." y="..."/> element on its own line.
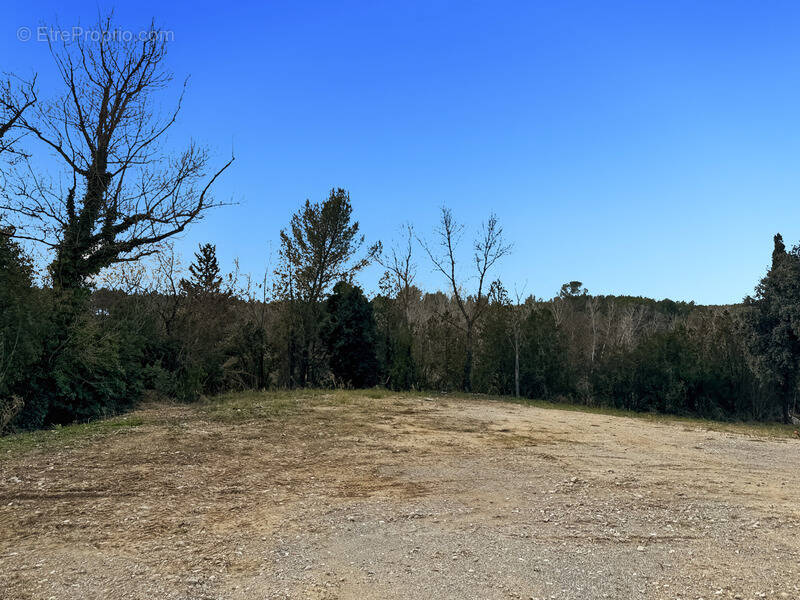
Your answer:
<point x="344" y="496"/>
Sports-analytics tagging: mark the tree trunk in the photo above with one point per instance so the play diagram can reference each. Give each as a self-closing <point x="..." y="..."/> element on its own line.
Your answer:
<point x="261" y="370"/>
<point x="467" y="382"/>
<point x="786" y="394"/>
<point x="291" y="366"/>
<point x="304" y="366"/>
<point x="787" y="400"/>
<point x="516" y="363"/>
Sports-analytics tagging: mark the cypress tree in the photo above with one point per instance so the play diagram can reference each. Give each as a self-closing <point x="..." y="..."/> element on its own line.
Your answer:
<point x="774" y="324"/>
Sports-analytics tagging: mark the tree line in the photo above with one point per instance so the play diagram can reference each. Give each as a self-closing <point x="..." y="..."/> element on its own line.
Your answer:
<point x="114" y="315"/>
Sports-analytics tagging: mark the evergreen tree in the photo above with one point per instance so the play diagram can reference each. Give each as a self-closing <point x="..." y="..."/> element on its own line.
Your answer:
<point x="350" y="337"/>
<point x="20" y="344"/>
<point x="320" y="247"/>
<point x="205" y="272"/>
<point x="544" y="362"/>
<point x="204" y="326"/>
<point x="774" y="324"/>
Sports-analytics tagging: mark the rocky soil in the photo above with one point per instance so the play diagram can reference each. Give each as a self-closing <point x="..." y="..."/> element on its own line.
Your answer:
<point x="345" y="496"/>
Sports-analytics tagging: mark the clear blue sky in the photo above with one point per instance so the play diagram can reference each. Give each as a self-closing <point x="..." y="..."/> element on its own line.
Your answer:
<point x="646" y="148"/>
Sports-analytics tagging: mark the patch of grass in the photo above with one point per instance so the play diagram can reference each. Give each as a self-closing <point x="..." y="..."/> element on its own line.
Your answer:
<point x="246" y="406"/>
<point x="767" y="430"/>
<point x="61" y="436"/>
<point x="378" y="393"/>
<point x="750" y="428"/>
<point x="240" y="407"/>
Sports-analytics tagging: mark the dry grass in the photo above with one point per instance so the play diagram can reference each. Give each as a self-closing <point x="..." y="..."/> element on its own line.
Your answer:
<point x="271" y="406"/>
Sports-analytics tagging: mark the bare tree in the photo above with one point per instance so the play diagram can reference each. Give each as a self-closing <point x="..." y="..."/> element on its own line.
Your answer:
<point x="608" y="329"/>
<point x="153" y="283"/>
<point x="258" y="303"/>
<point x="168" y="274"/>
<point x="489" y="247"/>
<point x="593" y="311"/>
<point x="632" y="322"/>
<point x="121" y="191"/>
<point x="557" y="307"/>
<point x="515" y="310"/>
<point x="520" y="309"/>
<point x="400" y="272"/>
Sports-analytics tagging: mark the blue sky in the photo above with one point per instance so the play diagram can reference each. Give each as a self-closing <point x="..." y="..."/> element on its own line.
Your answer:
<point x="642" y="148"/>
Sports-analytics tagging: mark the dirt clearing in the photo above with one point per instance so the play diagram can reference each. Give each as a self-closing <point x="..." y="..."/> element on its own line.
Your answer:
<point x="345" y="496"/>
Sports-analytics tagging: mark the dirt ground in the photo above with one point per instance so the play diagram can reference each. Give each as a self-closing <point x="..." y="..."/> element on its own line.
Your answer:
<point x="345" y="496"/>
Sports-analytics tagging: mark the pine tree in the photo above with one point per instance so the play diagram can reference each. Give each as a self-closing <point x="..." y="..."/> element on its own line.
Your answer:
<point x="205" y="273"/>
<point x="321" y="246"/>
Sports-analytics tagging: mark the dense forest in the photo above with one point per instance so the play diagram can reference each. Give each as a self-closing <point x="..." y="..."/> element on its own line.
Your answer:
<point x="111" y="315"/>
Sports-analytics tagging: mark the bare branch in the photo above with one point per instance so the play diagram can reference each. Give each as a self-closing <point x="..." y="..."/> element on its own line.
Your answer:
<point x="489" y="248"/>
<point x="400" y="270"/>
<point x="127" y="194"/>
<point x="16" y="97"/>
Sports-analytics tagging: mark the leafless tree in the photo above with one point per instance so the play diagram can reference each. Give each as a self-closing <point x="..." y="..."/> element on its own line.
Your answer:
<point x="632" y="322"/>
<point x="398" y="278"/>
<point x="258" y="303"/>
<point x="557" y="307"/>
<point x="489" y="247"/>
<point x="515" y="311"/>
<point x="608" y="328"/>
<point x="520" y="309"/>
<point x="593" y="312"/>
<point x="152" y="283"/>
<point x="120" y="191"/>
<point x="168" y="273"/>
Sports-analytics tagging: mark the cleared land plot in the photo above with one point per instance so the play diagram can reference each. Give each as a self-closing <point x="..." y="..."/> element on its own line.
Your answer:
<point x="343" y="495"/>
